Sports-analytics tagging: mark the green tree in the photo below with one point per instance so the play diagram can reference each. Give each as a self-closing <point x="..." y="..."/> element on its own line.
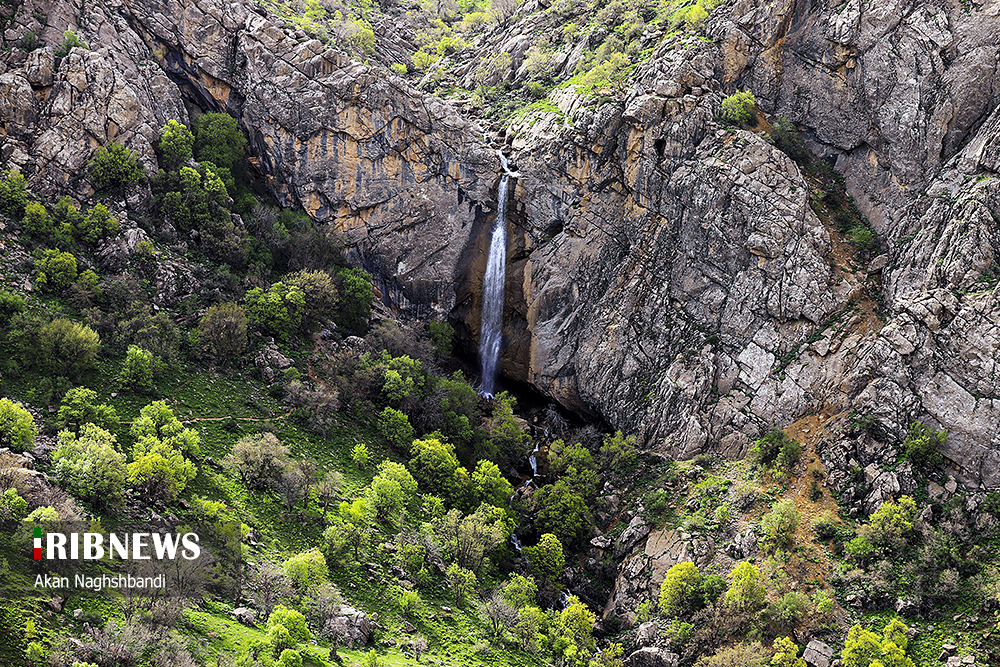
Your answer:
<point x="462" y="583"/>
<point x="489" y="484"/>
<point x="137" y="369"/>
<point x="158" y="470"/>
<point x="157" y="420"/>
<point x="746" y="592"/>
<point x="222" y="331"/>
<point x="17" y="427"/>
<point x="573" y="636"/>
<point x="546" y="557"/>
<point x="360" y="456"/>
<point x="89" y="466"/>
<point x="395" y="427"/>
<point x="55" y="270"/>
<point x="66" y="218"/>
<point x="434" y="465"/>
<point x="36" y="221"/>
<point x="218" y="140"/>
<point x="442" y="336"/>
<point x="617" y="451"/>
<point x="115" y="165"/>
<point x="12" y="506"/>
<point x="259" y="460"/>
<point x="891" y="524"/>
<point x="867" y="649"/>
<point x="13" y="195"/>
<point x="10" y="305"/>
<point x="319" y="290"/>
<point x="290" y="658"/>
<point x="786" y="654"/>
<point x="923" y="446"/>
<point x="355" y="288"/>
<point x="95" y="224"/>
<point x="67" y="348"/>
<point x="739" y="107"/>
<point x="780" y="524"/>
<point x="776" y="449"/>
<point x="508" y="444"/>
<point x="681" y="589"/>
<point x="279" y="310"/>
<point x="307" y="570"/>
<point x="176" y="145"/>
<point x="519" y="591"/>
<point x="562" y="512"/>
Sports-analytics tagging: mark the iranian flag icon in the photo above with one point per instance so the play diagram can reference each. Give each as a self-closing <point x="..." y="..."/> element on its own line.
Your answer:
<point x="38" y="543"/>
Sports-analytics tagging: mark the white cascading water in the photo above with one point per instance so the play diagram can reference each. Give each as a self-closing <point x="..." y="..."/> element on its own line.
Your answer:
<point x="493" y="284"/>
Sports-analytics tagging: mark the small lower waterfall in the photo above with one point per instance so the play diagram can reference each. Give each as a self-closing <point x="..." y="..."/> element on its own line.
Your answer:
<point x="493" y="285"/>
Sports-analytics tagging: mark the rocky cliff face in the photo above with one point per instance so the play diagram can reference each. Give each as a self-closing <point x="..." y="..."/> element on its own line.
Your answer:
<point x="677" y="283"/>
<point x="667" y="274"/>
<point x="400" y="173"/>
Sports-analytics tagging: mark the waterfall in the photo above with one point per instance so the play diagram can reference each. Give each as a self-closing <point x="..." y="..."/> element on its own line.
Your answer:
<point x="493" y="284"/>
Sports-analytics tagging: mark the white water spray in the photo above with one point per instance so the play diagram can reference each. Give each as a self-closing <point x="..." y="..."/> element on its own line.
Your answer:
<point x="493" y="285"/>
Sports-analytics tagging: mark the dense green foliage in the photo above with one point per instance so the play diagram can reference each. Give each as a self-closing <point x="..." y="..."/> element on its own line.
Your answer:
<point x="17" y="427"/>
<point x="739" y="108"/>
<point x="115" y="165"/>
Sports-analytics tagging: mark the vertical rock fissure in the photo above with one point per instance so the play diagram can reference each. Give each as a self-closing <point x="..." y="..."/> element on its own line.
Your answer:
<point x="493" y="288"/>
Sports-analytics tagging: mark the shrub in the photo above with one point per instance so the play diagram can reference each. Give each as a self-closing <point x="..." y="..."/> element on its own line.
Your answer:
<point x="398" y="68"/>
<point x="695" y="17"/>
<point x="442" y="336"/>
<point x="29" y="41"/>
<point x="409" y="602"/>
<point x="95" y="224"/>
<point x="319" y="291"/>
<point x="307" y="570"/>
<point x="489" y="484"/>
<point x="462" y="583"/>
<point x="712" y="588"/>
<point x="218" y="140"/>
<point x="859" y="549"/>
<point x="13" y="195"/>
<point x="158" y="470"/>
<point x="823" y="602"/>
<point x="355" y="288"/>
<point x="746" y="593"/>
<point x="739" y="108"/>
<point x="737" y="655"/>
<point x="17" y="427"/>
<point x="681" y="589"/>
<point x="279" y="310"/>
<point x="862" y="237"/>
<point x="776" y="449"/>
<point x="562" y="512"/>
<point x="892" y="522"/>
<point x="137" y="369"/>
<point x="360" y="456"/>
<point x="115" y="165"/>
<point x="790" y="609"/>
<point x="70" y="42"/>
<point x="56" y="270"/>
<point x="546" y="557"/>
<point x="923" y="446"/>
<point x="259" y="460"/>
<point x="864" y="648"/>
<point x="78" y="408"/>
<point x="68" y="348"/>
<point x="617" y="450"/>
<point x="786" y="654"/>
<point x="395" y="427"/>
<point x="12" y="506"/>
<point x="36" y="221"/>
<point x="156" y="420"/>
<point x="290" y="658"/>
<point x="176" y="145"/>
<point x="222" y="331"/>
<point x="779" y="525"/>
<point x="89" y="466"/>
<point x="11" y="305"/>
